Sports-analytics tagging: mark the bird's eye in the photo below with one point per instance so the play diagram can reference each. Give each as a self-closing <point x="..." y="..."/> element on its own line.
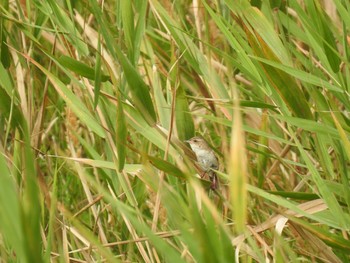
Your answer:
<point x="195" y="140"/>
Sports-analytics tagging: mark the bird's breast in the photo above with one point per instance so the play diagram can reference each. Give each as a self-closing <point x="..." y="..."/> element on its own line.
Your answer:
<point x="207" y="159"/>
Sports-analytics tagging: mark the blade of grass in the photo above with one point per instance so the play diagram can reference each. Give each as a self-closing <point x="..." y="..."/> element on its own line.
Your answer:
<point x="72" y="101"/>
<point x="237" y="167"/>
<point x="324" y="191"/>
<point x="10" y="217"/>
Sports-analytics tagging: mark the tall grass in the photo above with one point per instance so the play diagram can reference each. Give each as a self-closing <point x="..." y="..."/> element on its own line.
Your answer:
<point x="97" y="99"/>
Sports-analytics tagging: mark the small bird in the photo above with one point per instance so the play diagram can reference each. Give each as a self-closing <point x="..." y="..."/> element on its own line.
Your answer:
<point x="206" y="159"/>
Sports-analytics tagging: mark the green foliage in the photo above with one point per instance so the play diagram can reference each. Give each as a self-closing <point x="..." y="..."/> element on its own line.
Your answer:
<point x="96" y="101"/>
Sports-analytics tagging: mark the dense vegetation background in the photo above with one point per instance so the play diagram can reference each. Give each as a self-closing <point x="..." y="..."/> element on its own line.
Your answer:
<point x="97" y="98"/>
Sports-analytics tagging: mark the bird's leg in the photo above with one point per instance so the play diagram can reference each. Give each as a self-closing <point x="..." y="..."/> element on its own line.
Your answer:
<point x="202" y="174"/>
<point x="212" y="178"/>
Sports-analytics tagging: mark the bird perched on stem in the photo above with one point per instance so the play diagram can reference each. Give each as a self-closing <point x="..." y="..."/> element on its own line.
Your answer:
<point x="206" y="159"/>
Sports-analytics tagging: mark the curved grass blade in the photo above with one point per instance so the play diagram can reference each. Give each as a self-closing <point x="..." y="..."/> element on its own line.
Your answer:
<point x="72" y="101"/>
<point x="80" y="68"/>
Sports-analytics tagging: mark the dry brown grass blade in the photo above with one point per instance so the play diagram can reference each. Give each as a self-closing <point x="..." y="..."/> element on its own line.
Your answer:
<point x="319" y="249"/>
<point x="89" y="196"/>
<point x="310" y="207"/>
